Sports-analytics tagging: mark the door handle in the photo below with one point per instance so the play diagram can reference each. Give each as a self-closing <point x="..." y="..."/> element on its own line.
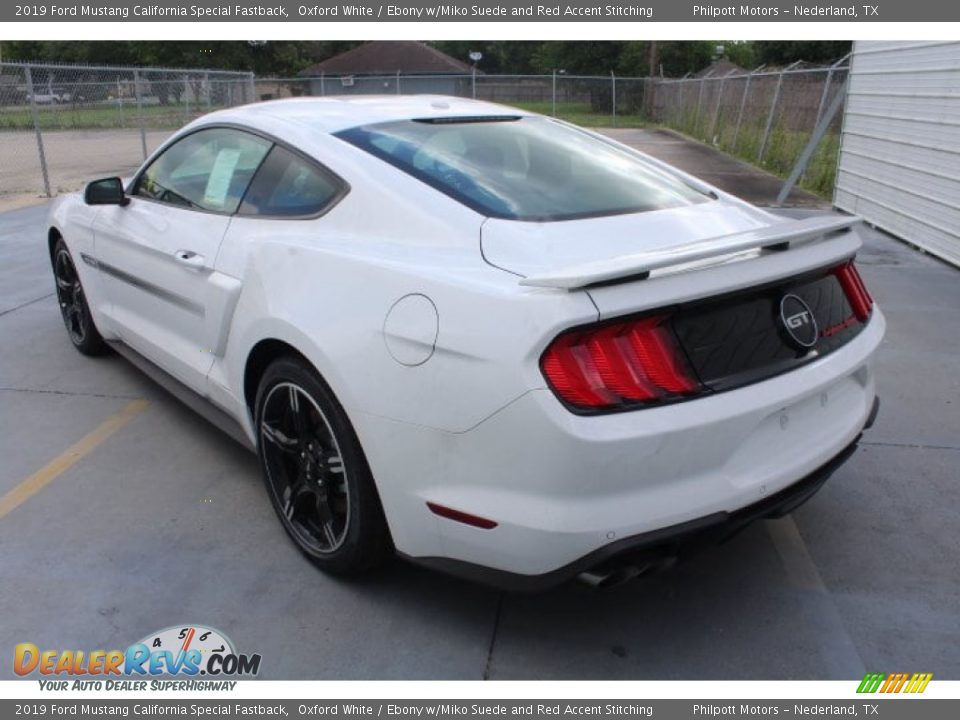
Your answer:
<point x="189" y="258"/>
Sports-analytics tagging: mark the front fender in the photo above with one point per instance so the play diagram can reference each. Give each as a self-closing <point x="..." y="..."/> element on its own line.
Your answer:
<point x="72" y="219"/>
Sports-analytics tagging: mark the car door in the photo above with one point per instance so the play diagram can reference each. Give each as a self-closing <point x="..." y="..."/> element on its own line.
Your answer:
<point x="289" y="192"/>
<point x="156" y="255"/>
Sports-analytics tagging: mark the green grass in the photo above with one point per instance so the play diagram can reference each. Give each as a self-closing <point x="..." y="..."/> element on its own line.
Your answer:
<point x="86" y="117"/>
<point x="170" y="117"/>
<point x="582" y="114"/>
<point x="781" y="152"/>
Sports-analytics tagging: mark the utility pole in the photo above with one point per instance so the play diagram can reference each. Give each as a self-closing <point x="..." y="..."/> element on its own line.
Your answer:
<point x="475" y="57"/>
<point x="649" y="89"/>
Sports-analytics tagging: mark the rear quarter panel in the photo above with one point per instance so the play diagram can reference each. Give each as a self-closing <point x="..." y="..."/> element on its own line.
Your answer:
<point x="326" y="287"/>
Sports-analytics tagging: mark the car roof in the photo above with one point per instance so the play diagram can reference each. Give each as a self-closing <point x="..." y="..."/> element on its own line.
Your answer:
<point x="332" y="114"/>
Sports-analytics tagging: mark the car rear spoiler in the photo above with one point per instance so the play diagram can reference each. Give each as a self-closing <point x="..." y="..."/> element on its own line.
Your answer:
<point x="638" y="266"/>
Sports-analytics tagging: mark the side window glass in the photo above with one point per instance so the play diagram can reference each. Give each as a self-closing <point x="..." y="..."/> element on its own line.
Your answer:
<point x="206" y="170"/>
<point x="289" y="186"/>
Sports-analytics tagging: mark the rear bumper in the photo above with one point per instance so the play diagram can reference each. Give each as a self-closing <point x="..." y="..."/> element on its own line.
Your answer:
<point x="568" y="492"/>
<point x="658" y="547"/>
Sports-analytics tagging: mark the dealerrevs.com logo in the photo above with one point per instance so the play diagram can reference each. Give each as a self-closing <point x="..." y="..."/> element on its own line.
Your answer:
<point x="186" y="651"/>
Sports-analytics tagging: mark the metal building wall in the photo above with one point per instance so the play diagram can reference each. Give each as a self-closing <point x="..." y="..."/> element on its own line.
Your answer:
<point x="899" y="164"/>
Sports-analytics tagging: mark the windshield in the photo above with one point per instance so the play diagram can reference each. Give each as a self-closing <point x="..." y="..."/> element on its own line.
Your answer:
<point x="523" y="168"/>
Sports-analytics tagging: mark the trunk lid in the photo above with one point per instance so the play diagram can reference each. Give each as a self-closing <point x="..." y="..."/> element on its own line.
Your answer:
<point x="531" y="248"/>
<point x="630" y="263"/>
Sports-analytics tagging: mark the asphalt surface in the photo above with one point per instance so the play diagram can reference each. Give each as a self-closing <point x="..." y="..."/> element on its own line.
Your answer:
<point x="164" y="521"/>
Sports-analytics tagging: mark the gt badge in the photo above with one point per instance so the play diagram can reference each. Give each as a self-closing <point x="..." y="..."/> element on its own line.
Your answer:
<point x="798" y="321"/>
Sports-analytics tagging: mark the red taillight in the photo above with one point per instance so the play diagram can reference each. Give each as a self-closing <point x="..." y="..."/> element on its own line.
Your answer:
<point x="610" y="366"/>
<point x="859" y="298"/>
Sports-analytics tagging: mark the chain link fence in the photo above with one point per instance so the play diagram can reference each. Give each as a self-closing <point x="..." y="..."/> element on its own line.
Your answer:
<point x="61" y="125"/>
<point x="764" y="117"/>
<point x="597" y="100"/>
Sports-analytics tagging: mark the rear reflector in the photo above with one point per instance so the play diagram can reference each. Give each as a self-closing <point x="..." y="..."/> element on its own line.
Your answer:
<point x="859" y="298"/>
<point x="457" y="515"/>
<point x="619" y="365"/>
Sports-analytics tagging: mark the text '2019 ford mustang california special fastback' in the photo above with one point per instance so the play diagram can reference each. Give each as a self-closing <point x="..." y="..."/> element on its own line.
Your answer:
<point x="495" y="343"/>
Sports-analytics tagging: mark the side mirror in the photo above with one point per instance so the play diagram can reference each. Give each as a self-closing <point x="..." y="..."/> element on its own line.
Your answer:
<point x="108" y="191"/>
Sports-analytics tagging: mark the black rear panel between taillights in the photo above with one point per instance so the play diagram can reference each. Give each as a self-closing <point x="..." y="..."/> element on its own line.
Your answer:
<point x="675" y="354"/>
<point x="743" y="338"/>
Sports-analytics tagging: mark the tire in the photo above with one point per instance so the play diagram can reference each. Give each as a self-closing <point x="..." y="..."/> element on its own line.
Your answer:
<point x="76" y="315"/>
<point x="315" y="472"/>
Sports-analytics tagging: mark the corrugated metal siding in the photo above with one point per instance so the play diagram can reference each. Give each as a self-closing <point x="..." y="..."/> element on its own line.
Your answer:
<point x="899" y="162"/>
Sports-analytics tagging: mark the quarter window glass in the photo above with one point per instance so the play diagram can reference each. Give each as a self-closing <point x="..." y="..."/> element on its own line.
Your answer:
<point x="207" y="170"/>
<point x="289" y="186"/>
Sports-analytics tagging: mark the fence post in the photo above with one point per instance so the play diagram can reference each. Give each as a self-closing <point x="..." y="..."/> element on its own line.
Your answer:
<point x="36" y="129"/>
<point x="743" y="104"/>
<point x="554" y="112"/>
<point x="826" y="87"/>
<point x="209" y="89"/>
<point x="143" y="131"/>
<point x="680" y="101"/>
<point x="818" y="132"/>
<point x="186" y="97"/>
<point x="123" y="123"/>
<point x="323" y="84"/>
<point x="647" y="97"/>
<point x="716" y="111"/>
<point x="823" y="96"/>
<point x="650" y="92"/>
<point x="613" y="92"/>
<point x="696" y="117"/>
<point x="773" y="110"/>
<point x="252" y="88"/>
<point x="398" y="82"/>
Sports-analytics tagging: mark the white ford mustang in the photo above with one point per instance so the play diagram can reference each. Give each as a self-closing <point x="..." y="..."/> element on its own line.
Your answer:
<point x="495" y="343"/>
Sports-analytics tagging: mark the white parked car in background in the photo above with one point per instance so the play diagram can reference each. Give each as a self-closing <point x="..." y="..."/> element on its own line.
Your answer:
<point x="495" y="343"/>
<point x="49" y="98"/>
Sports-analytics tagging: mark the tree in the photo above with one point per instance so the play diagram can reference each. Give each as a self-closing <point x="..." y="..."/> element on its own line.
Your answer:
<point x="578" y="57"/>
<point x="499" y="56"/>
<point x="676" y="57"/>
<point x="741" y="52"/>
<point x="283" y="58"/>
<point x="784" y="52"/>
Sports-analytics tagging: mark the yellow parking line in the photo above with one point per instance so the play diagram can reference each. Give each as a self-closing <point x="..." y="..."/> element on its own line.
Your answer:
<point x="63" y="462"/>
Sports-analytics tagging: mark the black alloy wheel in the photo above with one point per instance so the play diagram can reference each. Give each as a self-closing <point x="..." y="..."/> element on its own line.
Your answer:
<point x="73" y="304"/>
<point x="316" y="473"/>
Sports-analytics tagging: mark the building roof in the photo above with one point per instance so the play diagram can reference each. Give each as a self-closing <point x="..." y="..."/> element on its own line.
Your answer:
<point x="719" y="68"/>
<point x="387" y="57"/>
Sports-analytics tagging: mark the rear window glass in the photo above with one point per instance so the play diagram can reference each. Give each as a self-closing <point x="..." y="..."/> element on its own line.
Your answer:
<point x="525" y="168"/>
